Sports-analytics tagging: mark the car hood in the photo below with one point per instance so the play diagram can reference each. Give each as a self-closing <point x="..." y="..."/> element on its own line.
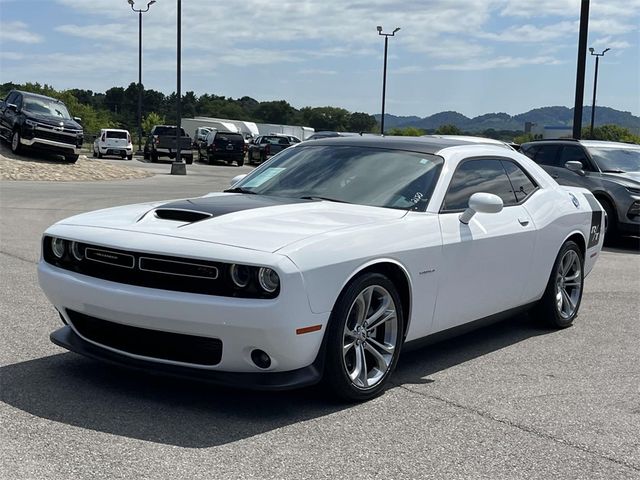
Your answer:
<point x="54" y="121"/>
<point x="254" y="222"/>
<point x="626" y="179"/>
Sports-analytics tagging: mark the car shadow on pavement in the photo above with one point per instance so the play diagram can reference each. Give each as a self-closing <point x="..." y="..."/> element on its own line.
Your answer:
<point x="73" y="390"/>
<point x="625" y="244"/>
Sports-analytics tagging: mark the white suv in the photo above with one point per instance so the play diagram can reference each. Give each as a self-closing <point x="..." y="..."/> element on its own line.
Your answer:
<point x="112" y="141"/>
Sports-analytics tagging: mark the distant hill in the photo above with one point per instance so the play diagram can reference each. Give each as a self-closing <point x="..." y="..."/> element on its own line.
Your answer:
<point x="504" y="121"/>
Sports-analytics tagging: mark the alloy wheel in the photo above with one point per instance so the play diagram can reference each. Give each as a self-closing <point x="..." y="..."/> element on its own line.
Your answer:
<point x="370" y="337"/>
<point x="568" y="284"/>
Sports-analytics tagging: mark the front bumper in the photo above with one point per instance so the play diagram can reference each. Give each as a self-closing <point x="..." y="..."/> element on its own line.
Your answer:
<point x="241" y="324"/>
<point x="65" y="337"/>
<point x="50" y="144"/>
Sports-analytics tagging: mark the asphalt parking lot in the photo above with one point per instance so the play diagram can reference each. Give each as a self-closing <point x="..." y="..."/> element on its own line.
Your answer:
<point x="512" y="400"/>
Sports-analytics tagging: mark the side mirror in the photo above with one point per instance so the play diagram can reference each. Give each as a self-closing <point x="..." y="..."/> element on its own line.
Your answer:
<point x="77" y="119"/>
<point x="482" y="203"/>
<point x="237" y="178"/>
<point x="575" y="166"/>
<point x="12" y="106"/>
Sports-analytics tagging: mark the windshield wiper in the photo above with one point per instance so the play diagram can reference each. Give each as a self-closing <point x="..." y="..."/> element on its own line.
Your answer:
<point x="239" y="190"/>
<point x="315" y="197"/>
<point x="613" y="171"/>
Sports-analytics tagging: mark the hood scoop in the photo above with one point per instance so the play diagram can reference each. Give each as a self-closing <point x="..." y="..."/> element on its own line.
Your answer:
<point x="181" y="215"/>
<point x="196" y="209"/>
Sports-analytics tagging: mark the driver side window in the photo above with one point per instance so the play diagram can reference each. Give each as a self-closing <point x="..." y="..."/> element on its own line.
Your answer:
<point x="474" y="176"/>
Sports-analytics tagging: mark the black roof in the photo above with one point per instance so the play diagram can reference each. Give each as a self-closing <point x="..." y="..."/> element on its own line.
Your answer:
<point x="37" y="95"/>
<point x="417" y="144"/>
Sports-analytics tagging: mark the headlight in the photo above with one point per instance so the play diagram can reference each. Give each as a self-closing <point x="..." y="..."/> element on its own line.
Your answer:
<point x="634" y="209"/>
<point x="58" y="247"/>
<point x="240" y="275"/>
<point x="268" y="279"/>
<point x="635" y="191"/>
<point x="76" y="251"/>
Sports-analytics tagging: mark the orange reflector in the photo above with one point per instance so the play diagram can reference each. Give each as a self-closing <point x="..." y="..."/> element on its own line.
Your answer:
<point x="304" y="330"/>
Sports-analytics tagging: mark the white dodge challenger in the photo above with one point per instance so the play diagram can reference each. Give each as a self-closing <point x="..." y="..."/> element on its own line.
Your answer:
<point x="323" y="263"/>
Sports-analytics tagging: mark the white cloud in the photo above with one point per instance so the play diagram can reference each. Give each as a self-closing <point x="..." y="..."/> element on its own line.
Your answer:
<point x="531" y="33"/>
<point x="316" y="71"/>
<point x="498" y="62"/>
<point x="17" y="32"/>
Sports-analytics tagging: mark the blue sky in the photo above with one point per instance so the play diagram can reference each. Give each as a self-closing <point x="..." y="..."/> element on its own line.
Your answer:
<point x="471" y="56"/>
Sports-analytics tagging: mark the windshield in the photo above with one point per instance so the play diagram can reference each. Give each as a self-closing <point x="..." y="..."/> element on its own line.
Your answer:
<point x="44" y="106"/>
<point x="617" y="159"/>
<point x="361" y="175"/>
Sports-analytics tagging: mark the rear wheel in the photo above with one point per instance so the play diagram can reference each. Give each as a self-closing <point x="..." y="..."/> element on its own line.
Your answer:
<point x="189" y="159"/>
<point x="16" y="146"/>
<point x="240" y="162"/>
<point x="561" y="300"/>
<point x="154" y="157"/>
<point x="71" y="158"/>
<point x="364" y="338"/>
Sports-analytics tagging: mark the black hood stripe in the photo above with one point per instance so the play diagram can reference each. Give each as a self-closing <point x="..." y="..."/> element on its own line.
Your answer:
<point x="207" y="207"/>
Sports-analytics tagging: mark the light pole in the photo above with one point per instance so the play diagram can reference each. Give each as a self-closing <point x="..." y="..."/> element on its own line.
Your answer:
<point x="178" y="167"/>
<point x="140" y="12"/>
<point x="384" y="73"/>
<point x="595" y="84"/>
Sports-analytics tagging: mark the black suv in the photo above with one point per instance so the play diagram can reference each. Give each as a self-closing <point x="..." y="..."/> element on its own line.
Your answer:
<point x="610" y="170"/>
<point x="225" y="146"/>
<point x="43" y="123"/>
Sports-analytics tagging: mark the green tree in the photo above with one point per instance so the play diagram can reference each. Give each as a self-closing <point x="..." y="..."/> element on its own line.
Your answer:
<point x="361" y="122"/>
<point x="448" y="129"/>
<point x="325" y="118"/>
<point x="406" y="132"/>
<point x="611" y="133"/>
<point x="150" y="121"/>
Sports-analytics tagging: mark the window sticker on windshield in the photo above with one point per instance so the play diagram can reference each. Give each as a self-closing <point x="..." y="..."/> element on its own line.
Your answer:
<point x="424" y="161"/>
<point x="268" y="174"/>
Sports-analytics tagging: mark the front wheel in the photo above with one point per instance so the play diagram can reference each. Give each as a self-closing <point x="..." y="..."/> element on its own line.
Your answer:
<point x="15" y="142"/>
<point x="71" y="158"/>
<point x="364" y="338"/>
<point x="189" y="159"/>
<point x="561" y="300"/>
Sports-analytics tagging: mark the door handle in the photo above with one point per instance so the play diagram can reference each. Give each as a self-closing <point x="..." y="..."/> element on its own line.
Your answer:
<point x="523" y="221"/>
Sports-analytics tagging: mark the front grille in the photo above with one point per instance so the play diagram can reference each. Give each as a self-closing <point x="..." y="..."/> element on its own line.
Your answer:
<point x="56" y="136"/>
<point x="179" y="274"/>
<point x="177" y="347"/>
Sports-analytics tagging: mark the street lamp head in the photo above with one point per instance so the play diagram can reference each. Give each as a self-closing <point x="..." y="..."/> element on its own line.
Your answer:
<point x="396" y="30"/>
<point x="605" y="50"/>
<point x="379" y="28"/>
<point x="151" y="3"/>
<point x="591" y="49"/>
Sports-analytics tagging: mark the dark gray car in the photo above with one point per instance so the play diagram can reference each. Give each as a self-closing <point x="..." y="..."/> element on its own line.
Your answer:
<point x="610" y="170"/>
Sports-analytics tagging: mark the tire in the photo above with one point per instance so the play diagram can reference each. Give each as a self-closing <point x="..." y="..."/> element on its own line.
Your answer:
<point x="145" y="155"/>
<point x="189" y="159"/>
<point x="154" y="157"/>
<point x="71" y="158"/>
<point x="16" y="146"/>
<point x="100" y="154"/>
<point x="561" y="300"/>
<point x="611" y="225"/>
<point x="350" y="341"/>
<point x="263" y="157"/>
<point x="240" y="162"/>
<point x="130" y="157"/>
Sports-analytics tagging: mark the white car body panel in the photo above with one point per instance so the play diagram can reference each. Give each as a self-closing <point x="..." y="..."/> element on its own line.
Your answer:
<point x="456" y="273"/>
